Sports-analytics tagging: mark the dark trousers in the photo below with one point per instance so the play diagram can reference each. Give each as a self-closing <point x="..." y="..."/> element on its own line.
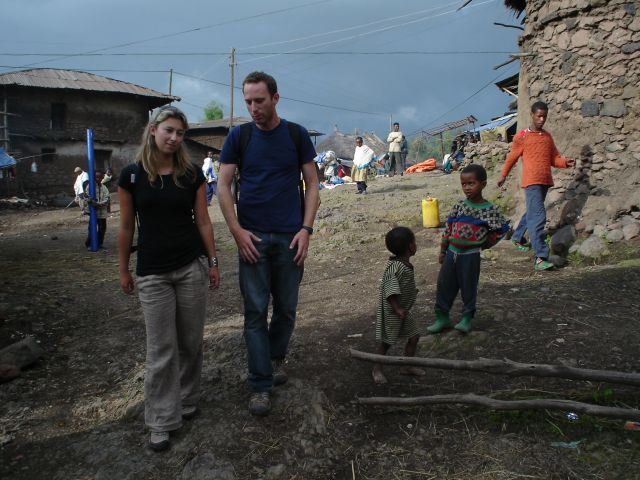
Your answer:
<point x="102" y="229"/>
<point x="458" y="272"/>
<point x="275" y="275"/>
<point x="395" y="163"/>
<point x="362" y="186"/>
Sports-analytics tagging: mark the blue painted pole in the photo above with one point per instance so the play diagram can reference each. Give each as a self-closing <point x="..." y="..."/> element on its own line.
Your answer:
<point x="93" y="220"/>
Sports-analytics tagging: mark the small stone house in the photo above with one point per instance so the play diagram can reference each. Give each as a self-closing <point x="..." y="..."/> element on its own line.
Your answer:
<point x="45" y="116"/>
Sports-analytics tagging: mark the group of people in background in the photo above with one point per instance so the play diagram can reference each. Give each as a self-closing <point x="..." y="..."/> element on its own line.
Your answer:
<point x="164" y="196"/>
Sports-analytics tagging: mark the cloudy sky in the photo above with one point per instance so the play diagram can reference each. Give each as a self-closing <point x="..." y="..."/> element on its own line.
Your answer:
<point x="354" y="64"/>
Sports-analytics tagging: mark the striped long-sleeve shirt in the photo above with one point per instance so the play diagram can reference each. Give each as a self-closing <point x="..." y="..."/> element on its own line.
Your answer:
<point x="472" y="226"/>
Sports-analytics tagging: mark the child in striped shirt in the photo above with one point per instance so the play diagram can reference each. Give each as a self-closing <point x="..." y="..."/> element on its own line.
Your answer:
<point x="473" y="224"/>
<point x="397" y="295"/>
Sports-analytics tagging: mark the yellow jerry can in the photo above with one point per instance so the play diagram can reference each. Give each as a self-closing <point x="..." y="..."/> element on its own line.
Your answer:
<point x="430" y="213"/>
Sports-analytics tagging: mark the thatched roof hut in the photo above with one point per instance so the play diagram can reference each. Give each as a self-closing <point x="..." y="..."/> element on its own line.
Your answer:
<point x="344" y="144"/>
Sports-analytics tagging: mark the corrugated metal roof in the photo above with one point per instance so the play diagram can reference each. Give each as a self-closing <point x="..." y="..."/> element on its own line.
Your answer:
<point x="76" y="80"/>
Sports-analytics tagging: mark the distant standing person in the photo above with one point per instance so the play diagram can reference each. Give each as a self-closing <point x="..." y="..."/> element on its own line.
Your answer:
<point x="209" y="171"/>
<point x="395" y="150"/>
<point x="176" y="261"/>
<point x="272" y="228"/>
<point x="362" y="158"/>
<point x="101" y="204"/>
<point x="404" y="151"/>
<point x="539" y="153"/>
<point x="397" y="294"/>
<point x="474" y="224"/>
<point x="78" y="186"/>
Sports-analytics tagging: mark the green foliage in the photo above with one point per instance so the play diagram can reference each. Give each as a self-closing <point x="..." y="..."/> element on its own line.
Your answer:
<point x="213" y="111"/>
<point x="505" y="202"/>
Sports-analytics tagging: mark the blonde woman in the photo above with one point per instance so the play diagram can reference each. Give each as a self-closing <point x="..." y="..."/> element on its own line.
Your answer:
<point x="176" y="261"/>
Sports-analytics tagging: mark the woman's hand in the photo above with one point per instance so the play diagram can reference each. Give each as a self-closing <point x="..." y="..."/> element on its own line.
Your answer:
<point x="126" y="282"/>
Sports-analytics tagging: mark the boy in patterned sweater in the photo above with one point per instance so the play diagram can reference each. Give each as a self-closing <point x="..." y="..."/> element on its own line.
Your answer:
<point x="474" y="224"/>
<point x="397" y="295"/>
<point x="539" y="153"/>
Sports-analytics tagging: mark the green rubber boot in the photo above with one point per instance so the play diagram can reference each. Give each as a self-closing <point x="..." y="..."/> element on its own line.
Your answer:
<point x="442" y="322"/>
<point x="464" y="325"/>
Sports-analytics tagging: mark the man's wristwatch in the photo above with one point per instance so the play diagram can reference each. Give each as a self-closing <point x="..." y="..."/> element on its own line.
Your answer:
<point x="308" y="229"/>
<point x="213" y="262"/>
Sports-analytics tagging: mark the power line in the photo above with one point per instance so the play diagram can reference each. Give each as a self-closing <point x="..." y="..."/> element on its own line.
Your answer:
<point x="191" y="30"/>
<point x="334" y="107"/>
<point x="226" y="54"/>
<point x="356" y="27"/>
<point x="369" y="32"/>
<point x="490" y="82"/>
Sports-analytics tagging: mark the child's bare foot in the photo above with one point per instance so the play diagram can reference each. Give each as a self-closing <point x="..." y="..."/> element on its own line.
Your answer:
<point x="378" y="376"/>
<point x="415" y="371"/>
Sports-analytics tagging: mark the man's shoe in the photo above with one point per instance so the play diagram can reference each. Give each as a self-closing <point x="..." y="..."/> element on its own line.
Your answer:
<point x="279" y="375"/>
<point x="464" y="325"/>
<point x="442" y="322"/>
<point x="542" y="264"/>
<point x="259" y="404"/>
<point x="159" y="441"/>
<point x="189" y="412"/>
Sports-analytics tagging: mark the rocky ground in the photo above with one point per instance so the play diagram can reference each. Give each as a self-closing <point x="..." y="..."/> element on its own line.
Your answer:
<point x="77" y="414"/>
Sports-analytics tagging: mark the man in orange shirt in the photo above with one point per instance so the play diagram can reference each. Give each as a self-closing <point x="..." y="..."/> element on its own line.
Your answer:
<point x="539" y="153"/>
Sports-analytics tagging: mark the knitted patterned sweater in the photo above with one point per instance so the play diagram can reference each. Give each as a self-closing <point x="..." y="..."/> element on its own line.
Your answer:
<point x="473" y="226"/>
<point x="539" y="154"/>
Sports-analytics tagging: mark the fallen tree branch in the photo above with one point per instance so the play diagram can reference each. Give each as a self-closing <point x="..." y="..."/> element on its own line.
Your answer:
<point x="473" y="399"/>
<point x="505" y="367"/>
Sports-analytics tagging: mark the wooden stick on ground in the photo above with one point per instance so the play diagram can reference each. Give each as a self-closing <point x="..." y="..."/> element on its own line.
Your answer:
<point x="505" y="367"/>
<point x="473" y="399"/>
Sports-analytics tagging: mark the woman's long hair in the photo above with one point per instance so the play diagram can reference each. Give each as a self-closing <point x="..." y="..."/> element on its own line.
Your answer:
<point x="148" y="152"/>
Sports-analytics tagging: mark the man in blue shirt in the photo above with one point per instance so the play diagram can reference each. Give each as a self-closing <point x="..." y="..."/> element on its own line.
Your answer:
<point x="271" y="229"/>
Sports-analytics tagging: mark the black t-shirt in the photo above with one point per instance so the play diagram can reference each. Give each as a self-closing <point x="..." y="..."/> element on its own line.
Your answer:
<point x="168" y="237"/>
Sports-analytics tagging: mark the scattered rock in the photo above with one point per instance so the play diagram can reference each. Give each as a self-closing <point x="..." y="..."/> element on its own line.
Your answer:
<point x="207" y="467"/>
<point x="631" y="230"/>
<point x="614" y="236"/>
<point x="562" y="240"/>
<point x="592" y="247"/>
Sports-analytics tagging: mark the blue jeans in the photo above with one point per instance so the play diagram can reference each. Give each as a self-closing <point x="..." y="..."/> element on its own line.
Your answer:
<point x="274" y="275"/>
<point x="534" y="220"/>
<point x="458" y="273"/>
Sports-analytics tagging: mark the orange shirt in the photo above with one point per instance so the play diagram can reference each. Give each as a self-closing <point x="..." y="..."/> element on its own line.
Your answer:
<point x="538" y="153"/>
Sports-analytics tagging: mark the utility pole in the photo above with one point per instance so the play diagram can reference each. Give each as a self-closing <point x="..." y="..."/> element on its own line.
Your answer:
<point x="232" y="64"/>
<point x="170" y="80"/>
<point x="391" y="122"/>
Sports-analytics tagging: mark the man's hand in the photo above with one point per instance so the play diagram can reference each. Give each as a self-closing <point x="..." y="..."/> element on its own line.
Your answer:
<point x="571" y="162"/>
<point x="245" y="241"/>
<point x="301" y="241"/>
<point x="501" y="181"/>
<point x="214" y="278"/>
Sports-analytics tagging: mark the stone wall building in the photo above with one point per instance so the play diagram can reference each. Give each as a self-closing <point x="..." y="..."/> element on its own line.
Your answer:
<point x="584" y="64"/>
<point x="46" y="113"/>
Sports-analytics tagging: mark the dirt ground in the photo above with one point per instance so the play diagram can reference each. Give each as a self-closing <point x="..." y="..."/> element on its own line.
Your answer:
<point x="77" y="414"/>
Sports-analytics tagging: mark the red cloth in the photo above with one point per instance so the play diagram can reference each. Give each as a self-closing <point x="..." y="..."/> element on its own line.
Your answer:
<point x="538" y="153"/>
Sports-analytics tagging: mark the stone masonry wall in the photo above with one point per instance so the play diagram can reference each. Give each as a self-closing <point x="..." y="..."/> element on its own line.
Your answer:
<point x="586" y="68"/>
